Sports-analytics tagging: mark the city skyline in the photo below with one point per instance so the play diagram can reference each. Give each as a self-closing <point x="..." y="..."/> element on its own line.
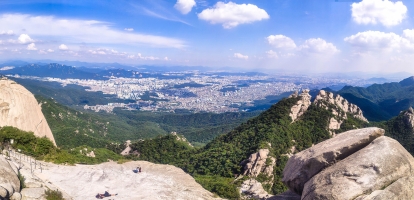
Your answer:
<point x="279" y="35"/>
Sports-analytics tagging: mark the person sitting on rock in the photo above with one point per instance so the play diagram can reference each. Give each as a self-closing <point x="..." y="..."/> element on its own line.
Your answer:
<point x="106" y="194"/>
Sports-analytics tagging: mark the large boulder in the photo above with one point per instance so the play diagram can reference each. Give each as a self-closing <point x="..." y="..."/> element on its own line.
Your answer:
<point x="9" y="182"/>
<point x="259" y="163"/>
<point x="304" y="165"/>
<point x="19" y="108"/>
<point x="33" y="194"/>
<point x="401" y="189"/>
<point x="374" y="167"/>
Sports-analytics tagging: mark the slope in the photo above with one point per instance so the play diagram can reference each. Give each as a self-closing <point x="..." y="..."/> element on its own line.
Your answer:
<point x="275" y="130"/>
<point x="382" y="101"/>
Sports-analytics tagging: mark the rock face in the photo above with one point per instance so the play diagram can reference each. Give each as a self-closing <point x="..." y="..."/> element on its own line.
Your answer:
<point x="304" y="165"/>
<point x="19" y="108"/>
<point x="359" y="164"/>
<point x="257" y="164"/>
<point x="9" y="182"/>
<point x="253" y="189"/>
<point x="409" y="117"/>
<point x="342" y="107"/>
<point x="301" y="106"/>
<point x="367" y="170"/>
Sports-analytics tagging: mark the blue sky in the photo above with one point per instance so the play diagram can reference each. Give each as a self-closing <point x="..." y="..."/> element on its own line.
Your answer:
<point x="270" y="35"/>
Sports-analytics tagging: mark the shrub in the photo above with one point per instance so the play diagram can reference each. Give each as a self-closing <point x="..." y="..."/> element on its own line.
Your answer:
<point x="53" y="195"/>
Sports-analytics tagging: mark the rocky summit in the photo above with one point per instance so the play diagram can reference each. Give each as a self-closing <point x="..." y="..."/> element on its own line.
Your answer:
<point x="359" y="164"/>
<point x="19" y="108"/>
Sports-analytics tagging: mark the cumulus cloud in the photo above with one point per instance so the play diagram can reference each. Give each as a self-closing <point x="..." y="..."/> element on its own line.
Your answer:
<point x="9" y="32"/>
<point x="318" y="45"/>
<point x="381" y="41"/>
<point x="82" y="31"/>
<point x="184" y="6"/>
<point x="31" y="47"/>
<point x="50" y="50"/>
<point x="231" y="14"/>
<point x="272" y="54"/>
<point x="281" y="41"/>
<point x="129" y="29"/>
<point x="241" y="56"/>
<point x="385" y="12"/>
<point x="63" y="47"/>
<point x="25" y="39"/>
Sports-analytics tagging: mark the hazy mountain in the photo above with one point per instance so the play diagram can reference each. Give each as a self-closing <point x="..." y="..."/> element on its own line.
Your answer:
<point x="51" y="70"/>
<point x="382" y="101"/>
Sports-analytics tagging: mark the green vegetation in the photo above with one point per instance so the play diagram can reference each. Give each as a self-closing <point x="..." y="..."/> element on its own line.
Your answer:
<point x="216" y="164"/>
<point x="21" y="180"/>
<point x="72" y="128"/>
<point x="43" y="149"/>
<point x="53" y="195"/>
<point x="381" y="101"/>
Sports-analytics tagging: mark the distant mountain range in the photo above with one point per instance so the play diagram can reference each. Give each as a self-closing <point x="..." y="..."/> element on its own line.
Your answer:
<point x="381" y="101"/>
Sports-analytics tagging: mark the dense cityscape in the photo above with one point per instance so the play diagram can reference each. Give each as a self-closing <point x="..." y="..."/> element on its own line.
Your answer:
<point x="200" y="92"/>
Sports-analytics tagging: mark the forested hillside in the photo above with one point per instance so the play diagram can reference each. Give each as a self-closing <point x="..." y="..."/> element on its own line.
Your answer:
<point x="221" y="158"/>
<point x="72" y="128"/>
<point x="381" y="101"/>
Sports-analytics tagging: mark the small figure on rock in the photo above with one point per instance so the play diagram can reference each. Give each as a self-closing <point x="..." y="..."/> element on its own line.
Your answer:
<point x="106" y="194"/>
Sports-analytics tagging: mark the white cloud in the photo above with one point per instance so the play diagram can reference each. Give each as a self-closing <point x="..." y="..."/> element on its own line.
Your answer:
<point x="318" y="45"/>
<point x="129" y="29"/>
<point x="231" y="14"/>
<point x="409" y="34"/>
<point x="25" y="39"/>
<point x="63" y="47"/>
<point x="380" y="41"/>
<point x="184" y="6"/>
<point x="385" y="12"/>
<point x="241" y="56"/>
<point x="82" y="31"/>
<point x="50" y="50"/>
<point x="31" y="47"/>
<point x="9" y="32"/>
<point x="281" y="41"/>
<point x="139" y="56"/>
<point x="272" y="54"/>
<point x="166" y="59"/>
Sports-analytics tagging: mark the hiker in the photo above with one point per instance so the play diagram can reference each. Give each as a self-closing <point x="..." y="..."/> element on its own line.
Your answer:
<point x="106" y="194"/>
<point x="136" y="170"/>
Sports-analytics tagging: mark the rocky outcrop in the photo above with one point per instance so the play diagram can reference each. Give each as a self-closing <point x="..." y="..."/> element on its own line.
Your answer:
<point x="409" y="117"/>
<point x="339" y="109"/>
<point x="301" y="106"/>
<point x="9" y="182"/>
<point x="374" y="167"/>
<point x="253" y="189"/>
<point x="19" y="108"/>
<point x="259" y="162"/>
<point x="359" y="164"/>
<point x="181" y="138"/>
<point x="400" y="189"/>
<point x="304" y="165"/>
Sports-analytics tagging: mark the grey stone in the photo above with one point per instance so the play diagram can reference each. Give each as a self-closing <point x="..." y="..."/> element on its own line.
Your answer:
<point x="401" y="189"/>
<point x="8" y="178"/>
<point x="304" y="165"/>
<point x="3" y="193"/>
<point x="33" y="194"/>
<point x="16" y="196"/>
<point x="374" y="167"/>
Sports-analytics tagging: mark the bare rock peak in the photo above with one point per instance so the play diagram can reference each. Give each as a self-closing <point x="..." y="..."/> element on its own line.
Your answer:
<point x="301" y="106"/>
<point x="19" y="108"/>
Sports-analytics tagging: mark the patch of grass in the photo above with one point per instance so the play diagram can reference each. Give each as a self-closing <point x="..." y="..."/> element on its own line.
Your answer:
<point x="53" y="195"/>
